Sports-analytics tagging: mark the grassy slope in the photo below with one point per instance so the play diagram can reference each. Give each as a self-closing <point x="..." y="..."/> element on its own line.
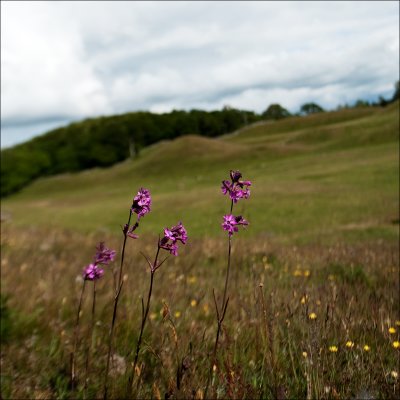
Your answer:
<point x="328" y="176"/>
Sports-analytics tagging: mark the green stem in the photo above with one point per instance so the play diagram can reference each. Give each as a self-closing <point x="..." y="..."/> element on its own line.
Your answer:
<point x="90" y="340"/>
<point x="116" y="299"/>
<point x="76" y="334"/>
<point x="144" y="316"/>
<point x="221" y="313"/>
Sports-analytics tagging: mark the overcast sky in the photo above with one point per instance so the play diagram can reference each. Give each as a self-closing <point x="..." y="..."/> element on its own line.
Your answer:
<point x="65" y="61"/>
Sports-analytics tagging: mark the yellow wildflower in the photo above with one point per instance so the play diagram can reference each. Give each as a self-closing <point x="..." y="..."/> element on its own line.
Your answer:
<point x="349" y="344"/>
<point x="206" y="309"/>
<point x="191" y="280"/>
<point x="394" y="374"/>
<point x="396" y="344"/>
<point x="312" y="316"/>
<point x="333" y="349"/>
<point x="304" y="299"/>
<point x="397" y="323"/>
<point x="297" y="272"/>
<point x="366" y="348"/>
<point x="193" y="303"/>
<point x="305" y="355"/>
<point x="153" y="316"/>
<point x="177" y="314"/>
<point x="392" y="330"/>
<point x="306" y="273"/>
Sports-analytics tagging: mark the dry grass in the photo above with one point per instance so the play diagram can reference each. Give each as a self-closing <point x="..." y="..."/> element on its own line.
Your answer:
<point x="270" y="347"/>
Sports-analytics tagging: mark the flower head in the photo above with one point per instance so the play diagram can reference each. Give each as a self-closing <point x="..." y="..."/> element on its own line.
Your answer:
<point x="178" y="232"/>
<point x="231" y="223"/>
<point x="349" y="344"/>
<point x="396" y="344"/>
<point x="171" y="237"/>
<point x="235" y="176"/>
<point x="103" y="254"/>
<point x="392" y="330"/>
<point x="236" y="188"/>
<point x="333" y="349"/>
<point x="366" y="348"/>
<point x="92" y="272"/>
<point x="141" y="203"/>
<point x="312" y="315"/>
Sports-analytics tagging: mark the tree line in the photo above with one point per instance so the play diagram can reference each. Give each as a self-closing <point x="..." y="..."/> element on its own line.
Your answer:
<point x="104" y="141"/>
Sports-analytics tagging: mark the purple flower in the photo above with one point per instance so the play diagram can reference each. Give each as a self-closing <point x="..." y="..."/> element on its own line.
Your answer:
<point x="235" y="175"/>
<point x="171" y="237"/>
<point x="226" y="187"/>
<point x="235" y="194"/>
<point x="231" y="223"/>
<point x="141" y="203"/>
<point x="92" y="272"/>
<point x="179" y="233"/>
<point x="237" y="189"/>
<point x="241" y="221"/>
<point x="103" y="254"/>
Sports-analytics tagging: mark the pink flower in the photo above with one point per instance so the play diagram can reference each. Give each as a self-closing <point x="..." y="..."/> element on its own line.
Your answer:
<point x="231" y="223"/>
<point x="171" y="237"/>
<point x="141" y="203"/>
<point x="92" y="272"/>
<point x="237" y="189"/>
<point x="103" y="254"/>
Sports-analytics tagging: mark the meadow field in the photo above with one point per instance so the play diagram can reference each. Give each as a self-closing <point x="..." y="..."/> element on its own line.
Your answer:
<point x="314" y="305"/>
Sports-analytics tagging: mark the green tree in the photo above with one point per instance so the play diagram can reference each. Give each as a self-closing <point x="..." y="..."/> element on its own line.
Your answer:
<point x="275" y="111"/>
<point x="361" y="103"/>
<point x="310" y="108"/>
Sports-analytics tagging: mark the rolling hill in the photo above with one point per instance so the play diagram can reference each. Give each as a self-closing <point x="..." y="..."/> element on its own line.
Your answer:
<point x="328" y="176"/>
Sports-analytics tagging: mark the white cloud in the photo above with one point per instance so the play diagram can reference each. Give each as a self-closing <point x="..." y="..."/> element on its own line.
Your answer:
<point x="79" y="59"/>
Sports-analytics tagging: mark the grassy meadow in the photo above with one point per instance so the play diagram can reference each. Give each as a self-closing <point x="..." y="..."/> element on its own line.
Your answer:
<point x="314" y="285"/>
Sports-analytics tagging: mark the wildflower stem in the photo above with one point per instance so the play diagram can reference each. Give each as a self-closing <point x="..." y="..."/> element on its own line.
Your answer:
<point x="221" y="313"/>
<point x="227" y="271"/>
<point x="89" y="346"/>
<point x="116" y="298"/>
<point x="76" y="334"/>
<point x="145" y="314"/>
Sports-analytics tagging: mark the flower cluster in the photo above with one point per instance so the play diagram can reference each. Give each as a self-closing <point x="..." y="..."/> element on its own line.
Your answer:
<point x="236" y="188"/>
<point x="103" y="256"/>
<point x="92" y="272"/>
<point x="232" y="223"/>
<point x="141" y="206"/>
<point x="171" y="237"/>
<point x="141" y="203"/>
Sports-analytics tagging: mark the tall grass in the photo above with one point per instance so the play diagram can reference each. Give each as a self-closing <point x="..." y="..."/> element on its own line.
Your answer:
<point x="270" y="346"/>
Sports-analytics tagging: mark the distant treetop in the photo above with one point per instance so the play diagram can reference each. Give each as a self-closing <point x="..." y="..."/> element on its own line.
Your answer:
<point x="275" y="111"/>
<point x="310" y="108"/>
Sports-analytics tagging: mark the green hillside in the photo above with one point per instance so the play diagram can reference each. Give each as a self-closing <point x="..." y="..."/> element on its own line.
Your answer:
<point x="322" y="177"/>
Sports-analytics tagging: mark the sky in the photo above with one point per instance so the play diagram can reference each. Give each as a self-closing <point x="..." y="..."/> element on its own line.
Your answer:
<point x="67" y="61"/>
